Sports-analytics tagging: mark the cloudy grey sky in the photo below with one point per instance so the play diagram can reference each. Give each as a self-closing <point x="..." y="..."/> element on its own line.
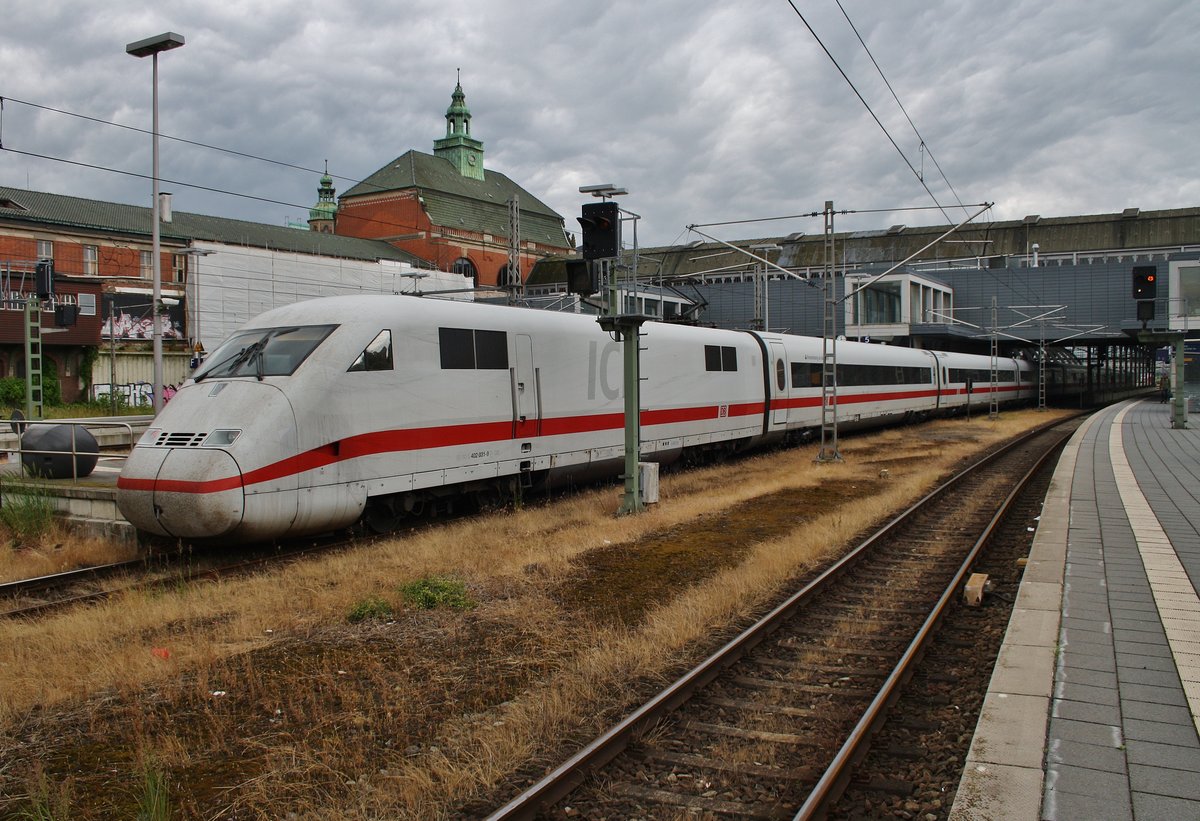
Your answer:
<point x="705" y="111"/>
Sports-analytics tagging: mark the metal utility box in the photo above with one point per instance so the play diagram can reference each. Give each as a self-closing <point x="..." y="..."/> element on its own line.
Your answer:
<point x="648" y="482"/>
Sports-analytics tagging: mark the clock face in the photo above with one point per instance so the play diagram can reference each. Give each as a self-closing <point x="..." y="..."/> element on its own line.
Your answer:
<point x="471" y="159"/>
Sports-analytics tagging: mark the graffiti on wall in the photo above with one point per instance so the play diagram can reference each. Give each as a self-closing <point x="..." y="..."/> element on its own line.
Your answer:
<point x="130" y="315"/>
<point x="131" y="394"/>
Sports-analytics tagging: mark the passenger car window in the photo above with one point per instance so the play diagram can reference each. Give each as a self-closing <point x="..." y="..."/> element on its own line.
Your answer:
<point x="720" y="358"/>
<point x="464" y="348"/>
<point x="377" y="356"/>
<point x="264" y="351"/>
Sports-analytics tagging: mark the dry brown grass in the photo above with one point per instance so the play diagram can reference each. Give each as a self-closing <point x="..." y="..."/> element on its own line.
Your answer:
<point x="56" y="551"/>
<point x="411" y="719"/>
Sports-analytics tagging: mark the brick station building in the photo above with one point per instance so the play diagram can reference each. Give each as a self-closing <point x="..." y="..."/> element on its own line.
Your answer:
<point x="446" y="208"/>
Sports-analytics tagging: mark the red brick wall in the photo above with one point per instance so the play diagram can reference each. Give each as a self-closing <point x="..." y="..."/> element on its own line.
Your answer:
<point x="113" y="260"/>
<point x="401" y="220"/>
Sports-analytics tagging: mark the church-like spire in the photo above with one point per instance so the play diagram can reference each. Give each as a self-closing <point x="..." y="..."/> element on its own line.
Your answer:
<point x="458" y="146"/>
<point x="321" y="216"/>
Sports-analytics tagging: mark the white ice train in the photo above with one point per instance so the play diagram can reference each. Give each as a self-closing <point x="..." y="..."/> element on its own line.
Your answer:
<point x="327" y="411"/>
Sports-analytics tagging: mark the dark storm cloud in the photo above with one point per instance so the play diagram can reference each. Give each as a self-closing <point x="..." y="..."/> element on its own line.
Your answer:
<point x="705" y="111"/>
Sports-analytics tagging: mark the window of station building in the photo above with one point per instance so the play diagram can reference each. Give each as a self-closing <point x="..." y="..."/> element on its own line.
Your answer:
<point x="464" y="266"/>
<point x="146" y="264"/>
<point x="1189" y="290"/>
<point x="720" y="358"/>
<point x="179" y="267"/>
<point x="878" y="304"/>
<point x="87" y="304"/>
<point x="467" y="349"/>
<point x="91" y="260"/>
<point x="45" y="249"/>
<point x="502" y="276"/>
<point x="377" y="356"/>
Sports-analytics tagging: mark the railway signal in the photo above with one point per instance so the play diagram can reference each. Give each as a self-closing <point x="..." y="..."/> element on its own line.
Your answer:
<point x="1145" y="281"/>
<point x="44" y="278"/>
<point x="601" y="223"/>
<point x="581" y="277"/>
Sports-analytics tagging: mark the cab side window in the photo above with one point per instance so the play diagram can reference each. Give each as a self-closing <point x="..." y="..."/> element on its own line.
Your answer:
<point x="377" y="356"/>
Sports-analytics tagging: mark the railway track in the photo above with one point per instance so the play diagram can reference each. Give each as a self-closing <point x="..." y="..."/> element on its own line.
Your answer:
<point x="28" y="598"/>
<point x="771" y="725"/>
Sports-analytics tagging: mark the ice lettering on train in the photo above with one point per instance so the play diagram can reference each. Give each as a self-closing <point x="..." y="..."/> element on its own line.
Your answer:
<point x="599" y="370"/>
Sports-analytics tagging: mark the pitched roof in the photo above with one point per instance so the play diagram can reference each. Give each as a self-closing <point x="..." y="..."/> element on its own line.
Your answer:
<point x="455" y="201"/>
<point x="95" y="215"/>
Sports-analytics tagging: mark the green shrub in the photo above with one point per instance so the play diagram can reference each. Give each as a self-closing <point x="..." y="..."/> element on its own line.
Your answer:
<point x="12" y="392"/>
<point x="437" y="591"/>
<point x="26" y="509"/>
<point x="369" y="608"/>
<point x="12" y="388"/>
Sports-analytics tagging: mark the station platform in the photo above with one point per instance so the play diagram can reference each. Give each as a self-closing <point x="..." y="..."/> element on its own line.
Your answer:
<point x="1094" y="702"/>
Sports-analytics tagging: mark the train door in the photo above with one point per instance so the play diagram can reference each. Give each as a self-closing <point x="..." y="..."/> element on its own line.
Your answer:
<point x="526" y="392"/>
<point x="936" y="365"/>
<point x="779" y="380"/>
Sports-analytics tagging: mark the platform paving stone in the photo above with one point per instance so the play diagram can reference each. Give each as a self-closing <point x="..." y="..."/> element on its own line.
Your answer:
<point x="1162" y="808"/>
<point x="1166" y="713"/>
<point x="1100" y="735"/>
<point x="1086" y="711"/>
<point x="1081" y="692"/>
<point x="1143" y="648"/>
<point x="1089" y="678"/>
<point x="1160" y="732"/>
<point x="1069" y="778"/>
<point x="1159" y="678"/>
<point x="1155" y="695"/>
<point x="1162" y="781"/>
<point x="1169" y="756"/>
<point x="1104" y="662"/>
<point x="1129" y="661"/>
<point x="1109" y="759"/>
<point x="1068" y="807"/>
<point x="1083" y="646"/>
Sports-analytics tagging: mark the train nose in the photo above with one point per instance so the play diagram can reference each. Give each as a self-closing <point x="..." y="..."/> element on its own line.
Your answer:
<point x="183" y="493"/>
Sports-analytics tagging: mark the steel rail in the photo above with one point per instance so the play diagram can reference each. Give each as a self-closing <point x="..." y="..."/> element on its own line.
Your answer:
<point x="53" y="580"/>
<point x="564" y="778"/>
<point x="833" y="781"/>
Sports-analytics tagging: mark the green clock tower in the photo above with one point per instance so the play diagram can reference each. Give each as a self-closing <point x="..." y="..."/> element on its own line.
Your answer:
<point x="458" y="146"/>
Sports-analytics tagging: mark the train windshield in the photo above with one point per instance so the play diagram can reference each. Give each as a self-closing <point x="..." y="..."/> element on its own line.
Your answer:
<point x="264" y="352"/>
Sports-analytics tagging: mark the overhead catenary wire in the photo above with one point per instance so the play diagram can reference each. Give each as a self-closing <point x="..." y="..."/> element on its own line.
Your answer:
<point x="924" y="144"/>
<point x="867" y="106"/>
<point x="874" y="116"/>
<point x="810" y="214"/>
<point x="185" y="141"/>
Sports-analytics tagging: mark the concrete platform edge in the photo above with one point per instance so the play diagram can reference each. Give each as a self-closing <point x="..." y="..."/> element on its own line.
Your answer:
<point x="1001" y="779"/>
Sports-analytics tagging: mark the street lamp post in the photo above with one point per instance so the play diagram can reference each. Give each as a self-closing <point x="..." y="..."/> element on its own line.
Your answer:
<point x="150" y="47"/>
